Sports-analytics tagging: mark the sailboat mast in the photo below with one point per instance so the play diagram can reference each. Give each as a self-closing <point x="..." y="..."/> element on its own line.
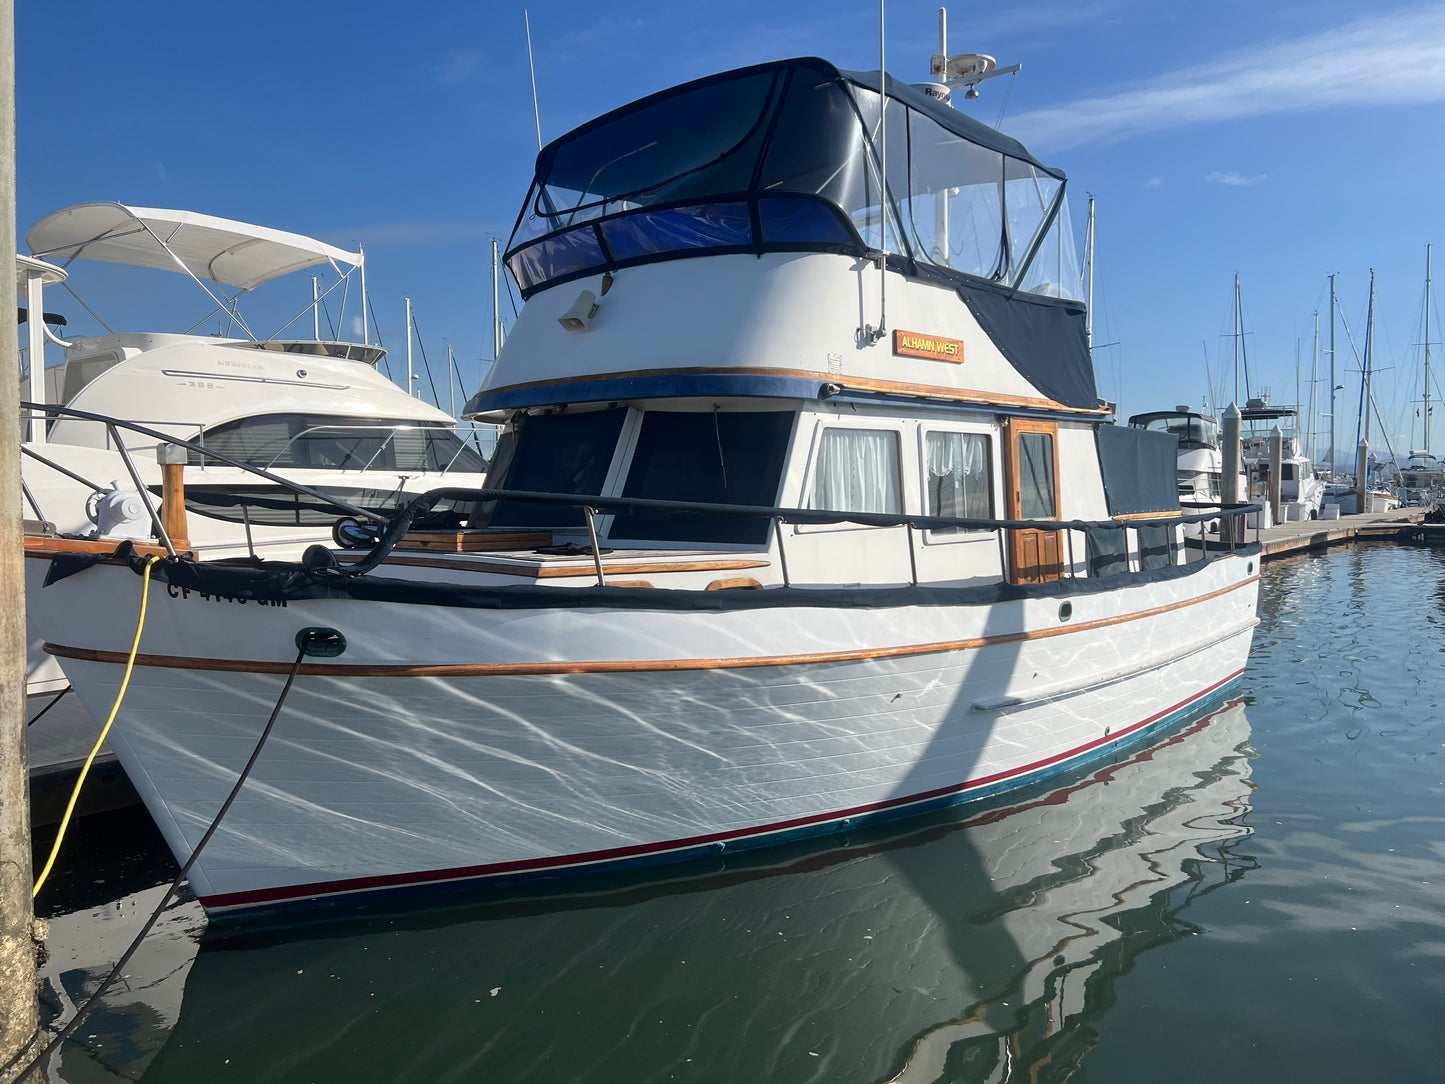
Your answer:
<point x="1236" y="338"/>
<point x="1314" y="389"/>
<point x="1427" y="348"/>
<point x="1370" y="357"/>
<point x="1332" y="374"/>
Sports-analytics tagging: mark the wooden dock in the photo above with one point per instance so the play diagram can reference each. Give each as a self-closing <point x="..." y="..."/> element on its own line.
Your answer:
<point x="1401" y="525"/>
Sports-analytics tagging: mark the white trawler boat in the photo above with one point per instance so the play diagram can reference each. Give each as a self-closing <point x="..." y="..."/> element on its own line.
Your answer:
<point x="844" y="531"/>
<point x="312" y="409"/>
<point x="1301" y="490"/>
<point x="1200" y="462"/>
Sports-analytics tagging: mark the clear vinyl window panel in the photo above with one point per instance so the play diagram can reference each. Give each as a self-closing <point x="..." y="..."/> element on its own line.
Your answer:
<point x="698" y="143"/>
<point x="1036" y="476"/>
<point x="322" y="442"/>
<point x="959" y="478"/>
<point x="857" y="471"/>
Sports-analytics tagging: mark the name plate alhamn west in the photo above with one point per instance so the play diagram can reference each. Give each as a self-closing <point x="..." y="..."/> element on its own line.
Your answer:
<point x="914" y="344"/>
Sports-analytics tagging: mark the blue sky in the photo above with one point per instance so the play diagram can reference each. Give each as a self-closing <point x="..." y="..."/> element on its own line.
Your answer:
<point x="1280" y="141"/>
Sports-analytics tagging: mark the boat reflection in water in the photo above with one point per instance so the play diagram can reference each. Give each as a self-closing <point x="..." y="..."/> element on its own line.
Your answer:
<point x="978" y="949"/>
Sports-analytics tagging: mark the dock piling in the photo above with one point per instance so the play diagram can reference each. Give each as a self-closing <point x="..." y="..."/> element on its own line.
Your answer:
<point x="19" y="1018"/>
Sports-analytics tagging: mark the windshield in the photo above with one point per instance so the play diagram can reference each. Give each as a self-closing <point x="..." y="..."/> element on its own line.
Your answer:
<point x="1189" y="428"/>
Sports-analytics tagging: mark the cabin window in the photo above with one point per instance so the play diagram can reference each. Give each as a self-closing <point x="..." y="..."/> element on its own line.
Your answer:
<point x="325" y="442"/>
<point x="1286" y="473"/>
<point x="959" y="479"/>
<point x="557" y="453"/>
<point x="857" y="471"/>
<point x="1036" y="476"/>
<point x="713" y="457"/>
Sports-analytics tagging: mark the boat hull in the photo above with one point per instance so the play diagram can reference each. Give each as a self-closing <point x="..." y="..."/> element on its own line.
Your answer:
<point x="452" y="744"/>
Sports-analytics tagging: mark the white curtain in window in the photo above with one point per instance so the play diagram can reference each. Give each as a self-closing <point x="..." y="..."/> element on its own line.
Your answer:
<point x="958" y="482"/>
<point x="857" y="471"/>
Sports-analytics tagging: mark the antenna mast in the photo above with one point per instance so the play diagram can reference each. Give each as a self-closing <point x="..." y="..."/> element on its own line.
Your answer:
<point x="536" y="110"/>
<point x="883" y="176"/>
<point x="497" y="335"/>
<point x="1089" y="248"/>
<point x="410" y="376"/>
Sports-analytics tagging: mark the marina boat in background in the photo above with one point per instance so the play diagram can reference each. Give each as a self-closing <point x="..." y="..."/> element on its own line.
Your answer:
<point x="315" y="410"/>
<point x="1422" y="479"/>
<point x="1200" y="464"/>
<point x="1301" y="491"/>
<point x="806" y="513"/>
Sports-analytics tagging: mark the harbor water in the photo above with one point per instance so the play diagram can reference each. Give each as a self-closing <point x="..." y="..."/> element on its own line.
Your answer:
<point x="1255" y="895"/>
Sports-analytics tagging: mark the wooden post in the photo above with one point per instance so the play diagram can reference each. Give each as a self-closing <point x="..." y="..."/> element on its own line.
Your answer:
<point x="172" y="459"/>
<point x="18" y="1008"/>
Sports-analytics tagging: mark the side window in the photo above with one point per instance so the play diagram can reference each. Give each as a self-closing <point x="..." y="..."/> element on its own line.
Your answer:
<point x="1036" y="476"/>
<point x="959" y="477"/>
<point x="857" y="471"/>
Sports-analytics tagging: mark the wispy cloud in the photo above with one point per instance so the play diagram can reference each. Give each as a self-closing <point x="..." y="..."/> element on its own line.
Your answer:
<point x="1391" y="59"/>
<point x="1234" y="178"/>
<point x="1154" y="182"/>
<point x="456" y="65"/>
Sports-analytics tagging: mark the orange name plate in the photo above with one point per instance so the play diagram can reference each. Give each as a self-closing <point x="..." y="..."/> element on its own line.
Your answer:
<point x="913" y="344"/>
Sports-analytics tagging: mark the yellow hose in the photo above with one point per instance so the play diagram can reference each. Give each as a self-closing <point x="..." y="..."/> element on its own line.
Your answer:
<point x="84" y="771"/>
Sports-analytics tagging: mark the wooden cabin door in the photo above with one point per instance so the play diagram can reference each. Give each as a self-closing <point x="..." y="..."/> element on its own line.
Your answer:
<point x="1031" y="475"/>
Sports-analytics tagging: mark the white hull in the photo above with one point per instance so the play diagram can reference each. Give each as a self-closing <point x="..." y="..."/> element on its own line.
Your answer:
<point x="465" y="743"/>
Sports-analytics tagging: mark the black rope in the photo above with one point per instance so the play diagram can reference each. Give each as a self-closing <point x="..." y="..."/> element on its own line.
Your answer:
<point x="508" y="280"/>
<point x="434" y="397"/>
<point x="384" y="360"/>
<point x="48" y="706"/>
<point x="155" y="915"/>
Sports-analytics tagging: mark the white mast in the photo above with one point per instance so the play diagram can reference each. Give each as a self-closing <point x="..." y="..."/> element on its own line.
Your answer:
<point x="410" y="376"/>
<point x="1333" y="389"/>
<point x="940" y="199"/>
<point x="883" y="179"/>
<point x="365" y="326"/>
<point x="536" y="109"/>
<point x="1369" y="358"/>
<point x="497" y="329"/>
<point x="1236" y="338"/>
<point x="1314" y="388"/>
<point x="1089" y="250"/>
<point x="452" y="379"/>
<point x="1427" y="348"/>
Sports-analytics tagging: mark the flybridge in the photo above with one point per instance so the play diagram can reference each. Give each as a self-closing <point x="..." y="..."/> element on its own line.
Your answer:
<point x="785" y="157"/>
<point x="203" y="247"/>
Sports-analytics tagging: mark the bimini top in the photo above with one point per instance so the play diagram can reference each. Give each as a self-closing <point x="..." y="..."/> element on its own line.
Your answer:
<point x="785" y="157"/>
<point x="234" y="253"/>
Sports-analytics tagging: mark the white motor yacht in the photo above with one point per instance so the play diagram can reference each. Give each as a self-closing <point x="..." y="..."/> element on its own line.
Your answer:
<point x="314" y="410"/>
<point x="1200" y="462"/>
<point x="806" y="514"/>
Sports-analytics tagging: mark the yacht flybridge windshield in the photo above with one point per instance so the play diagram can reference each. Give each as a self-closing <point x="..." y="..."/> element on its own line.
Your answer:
<point x="785" y="157"/>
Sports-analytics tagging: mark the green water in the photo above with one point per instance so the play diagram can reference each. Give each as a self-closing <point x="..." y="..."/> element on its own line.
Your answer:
<point x="1258" y="895"/>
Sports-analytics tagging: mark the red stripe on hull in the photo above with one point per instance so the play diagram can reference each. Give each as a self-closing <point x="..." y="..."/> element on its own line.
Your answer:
<point x="253" y="897"/>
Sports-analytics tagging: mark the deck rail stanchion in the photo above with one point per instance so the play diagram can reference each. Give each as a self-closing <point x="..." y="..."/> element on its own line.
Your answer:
<point x="782" y="554"/>
<point x="587" y="511"/>
<point x="912" y="560"/>
<point x="140" y="487"/>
